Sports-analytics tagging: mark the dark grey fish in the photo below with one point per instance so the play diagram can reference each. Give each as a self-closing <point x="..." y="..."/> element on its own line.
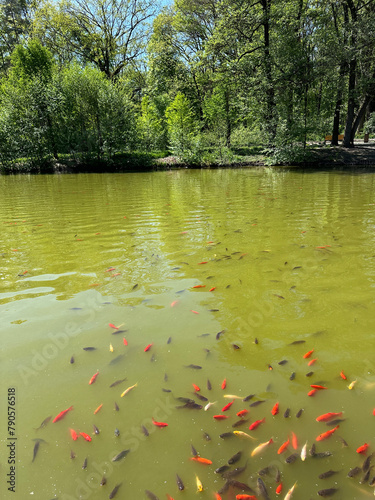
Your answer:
<point x="194" y="367"/>
<point x="84" y="465"/>
<point x="333" y="423"/>
<point x="372" y="482"/>
<point x="209" y="386"/>
<point x="179" y="482"/>
<point x="240" y="422"/>
<point x="283" y="362"/>
<point x="299" y="413"/>
<point x="218" y="335"/>
<point x="96" y="430"/>
<point x="287" y="413"/>
<point x="117" y="432"/>
<point x="312" y="451"/>
<point x="234" y="472"/>
<point x="354" y="472"/>
<point x="206" y="436"/>
<point x="241" y="486"/>
<point x="190" y="406"/>
<point x="117" y="382"/>
<point x="224" y="488"/>
<point x="114" y="491"/>
<point x="221" y="469"/>
<point x="135" y="286"/>
<point x="89" y="348"/>
<point x="120" y="455"/>
<point x="185" y="400"/>
<point x="366" y="463"/>
<point x="44" y="423"/>
<point x="296" y="342"/>
<point x="257" y="403"/>
<point x="226" y="435"/>
<point x="327" y="474"/>
<point x="250" y="396"/>
<point x="145" y="431"/>
<point x="166" y="390"/>
<point x="323" y="454"/>
<point x="71" y="360"/>
<point x="327" y="492"/>
<point x="153" y="358"/>
<point x="116" y="407"/>
<point x="169" y="340"/>
<point x="103" y="481"/>
<point x="235" y="458"/>
<point x="116" y="359"/>
<point x="265" y="471"/>
<point x="193" y="451"/>
<point x="116" y="332"/>
<point x="204" y="335"/>
<point x="309" y="374"/>
<point x="151" y="495"/>
<point x="256" y="341"/>
<point x="292" y="376"/>
<point x="236" y="347"/>
<point x="213" y="310"/>
<point x="365" y="477"/>
<point x="262" y="489"/>
<point x="201" y="397"/>
<point x="40" y="440"/>
<point x="228" y="286"/>
<point x="165" y="377"/>
<point x="344" y="443"/>
<point x="296" y="267"/>
<point x="36" y="448"/>
<point x="277" y="475"/>
<point x="72" y="455"/>
<point x="291" y="458"/>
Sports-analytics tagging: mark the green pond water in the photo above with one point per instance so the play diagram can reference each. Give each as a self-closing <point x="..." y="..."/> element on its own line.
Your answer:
<point x="285" y="264"/>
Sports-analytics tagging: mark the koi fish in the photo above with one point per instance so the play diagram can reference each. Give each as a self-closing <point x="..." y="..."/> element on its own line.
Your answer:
<point x="363" y="449"/>
<point x="73" y="434"/>
<point x="326" y="417"/>
<point x="174" y="303"/>
<point x="312" y="361"/>
<point x="114" y="491"/>
<point x="342" y="375"/>
<point x="151" y="495"/>
<point x="326" y="434"/>
<point x="195" y="312"/>
<point x="319" y="387"/>
<point x="352" y="384"/>
<point x="261" y="447"/>
<point x="308" y="354"/>
<point x="312" y="392"/>
<point x="85" y="436"/>
<point x="125" y="341"/>
<point x="96" y="430"/>
<point x="201" y="460"/>
<point x="212" y="289"/>
<point x="114" y="326"/>
<point x="147" y="348"/>
<point x="243" y="496"/>
<point x="98" y="409"/>
<point x="294" y="441"/>
<point x="242" y="413"/>
<point x="227" y="406"/>
<point x="304" y="452"/>
<point x="255" y="424"/>
<point x="110" y="347"/>
<point x="224" y="384"/>
<point x="36" y="448"/>
<point x="243" y="434"/>
<point x="275" y="409"/>
<point x="288" y="496"/>
<point x="93" y="378"/>
<point x="159" y="424"/>
<point x="217" y="496"/>
<point x="44" y="423"/>
<point x="220" y="417"/>
<point x="199" y="286"/>
<point x="283" y="447"/>
<point x="128" y="389"/>
<point x="203" y="262"/>
<point x="208" y="405"/>
<point x="279" y="489"/>
<point x="196" y="388"/>
<point x="199" y="483"/>
<point x="62" y="414"/>
<point x="117" y="382"/>
<point x="120" y="455"/>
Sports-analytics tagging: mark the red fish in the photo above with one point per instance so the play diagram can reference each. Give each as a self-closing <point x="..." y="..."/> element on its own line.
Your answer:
<point x="147" y="348"/>
<point x="125" y="341"/>
<point x="279" y="489"/>
<point x="363" y="449"/>
<point x="169" y="497"/>
<point x="294" y="441"/>
<point x="113" y="326"/>
<point x="255" y="424"/>
<point x="220" y="417"/>
<point x="201" y="460"/>
<point x="275" y="409"/>
<point x="327" y="434"/>
<point x="203" y="262"/>
<point x="308" y="354"/>
<point x="217" y="496"/>
<point x="212" y="289"/>
<point x="62" y="414"/>
<point x="86" y="436"/>
<point x="73" y="434"/>
<point x="283" y="447"/>
<point x="242" y="413"/>
<point x="326" y="417"/>
<point x="93" y="378"/>
<point x="159" y="424"/>
<point x="243" y="496"/>
<point x="312" y="392"/>
<point x="342" y="375"/>
<point x="224" y="384"/>
<point x="199" y="286"/>
<point x="227" y="406"/>
<point x="373" y="411"/>
<point x="312" y="361"/>
<point x="319" y="387"/>
<point x="196" y="388"/>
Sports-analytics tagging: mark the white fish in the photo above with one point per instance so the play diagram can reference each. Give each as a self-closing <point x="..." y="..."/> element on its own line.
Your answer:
<point x="288" y="496"/>
<point x="352" y="384"/>
<point x="232" y="396"/>
<point x="304" y="452"/>
<point x="261" y="447"/>
<point x="208" y="406"/>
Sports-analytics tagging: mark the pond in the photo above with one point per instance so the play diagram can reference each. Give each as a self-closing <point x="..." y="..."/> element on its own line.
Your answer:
<point x="251" y="285"/>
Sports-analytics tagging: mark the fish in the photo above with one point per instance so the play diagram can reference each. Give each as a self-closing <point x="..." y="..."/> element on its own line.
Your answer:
<point x="117" y="432"/>
<point x="117" y="382"/>
<point x="327" y="492"/>
<point x="165" y="390"/>
<point x="332" y="423"/>
<point x="318" y="387"/>
<point x="201" y="397"/>
<point x="366" y="463"/>
<point x="234" y="472"/>
<point x="235" y="458"/>
<point x="62" y="414"/>
<point x="353" y="472"/>
<point x="247" y="398"/>
<point x="116" y="407"/>
<point x="145" y="431"/>
<point x="85" y="436"/>
<point x="245" y="497"/>
<point x="196" y="388"/>
<point x="283" y="447"/>
<point x="116" y="359"/>
<point x="242" y="413"/>
<point x="179" y="482"/>
<point x="304" y="452"/>
<point x="262" y="489"/>
<point x="169" y="340"/>
<point x="114" y="491"/>
<point x="279" y="489"/>
<point x="323" y="454"/>
<point x="243" y="434"/>
<point x="84" y="465"/>
<point x="192" y="405"/>
<point x="151" y="495"/>
<point x="342" y="375"/>
<point x="129" y="389"/>
<point x="255" y="424"/>
<point x="282" y="362"/>
<point x="308" y="354"/>
<point x="201" y="460"/>
<point x="89" y="348"/>
<point x="93" y="378"/>
<point x="240" y="422"/>
<point x="220" y="417"/>
<point x="148" y="347"/>
<point x="103" y="481"/>
<point x="257" y="403"/>
<point x="309" y="374"/>
<point x="44" y="423"/>
<point x="72" y="455"/>
<point x="326" y="417"/>
<point x="221" y="469"/>
<point x="287" y="413"/>
<point x="299" y="413"/>
<point x="297" y="342"/>
<point x="159" y="424"/>
<point x="199" y="286"/>
<point x="294" y="441"/>
<point x="72" y="360"/>
<point x="288" y="496"/>
<point x="261" y="447"/>
<point x="226" y="435"/>
<point x="135" y="286"/>
<point x="275" y="409"/>
<point x="327" y="474"/>
<point x="224" y="384"/>
<point x="198" y="483"/>
<point x="227" y="406"/>
<point x="219" y="334"/>
<point x="243" y="487"/>
<point x="96" y="430"/>
<point x="120" y="455"/>
<point x="98" y="409"/>
<point x="208" y="406"/>
<point x="209" y="386"/>
<point x="352" y="384"/>
<point x="363" y="449"/>
<point x="35" y="451"/>
<point x="73" y="434"/>
<point x="326" y="434"/>
<point x="111" y="347"/>
<point x="291" y="458"/>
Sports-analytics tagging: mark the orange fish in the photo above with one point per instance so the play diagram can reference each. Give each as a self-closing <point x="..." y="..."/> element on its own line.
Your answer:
<point x="220" y="417"/>
<point x="212" y="289"/>
<point x="255" y="424"/>
<point x="224" y="384"/>
<point x="147" y="348"/>
<point x="195" y="312"/>
<point x="113" y="326"/>
<point x="342" y="375"/>
<point x="159" y="424"/>
<point x="174" y="303"/>
<point x="203" y="262"/>
<point x="243" y="496"/>
<point x="363" y="449"/>
<point x="242" y="413"/>
<point x="125" y="341"/>
<point x="312" y="392"/>
<point x="319" y="387"/>
<point x="327" y="434"/>
<point x="93" y="378"/>
<point x="196" y="388"/>
<point x="283" y="447"/>
<point x="98" y="409"/>
<point x="169" y="497"/>
<point x="62" y="414"/>
<point x="110" y="269"/>
<point x="279" y="489"/>
<point x="201" y="460"/>
<point x="326" y="417"/>
<point x="217" y="496"/>
<point x="86" y="436"/>
<point x="199" y="286"/>
<point x="308" y="354"/>
<point x="227" y="406"/>
<point x="275" y="409"/>
<point x="294" y="441"/>
<point x="73" y="434"/>
<point x="312" y="361"/>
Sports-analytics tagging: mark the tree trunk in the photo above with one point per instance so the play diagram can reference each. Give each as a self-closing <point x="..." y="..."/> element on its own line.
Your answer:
<point x="349" y="137"/>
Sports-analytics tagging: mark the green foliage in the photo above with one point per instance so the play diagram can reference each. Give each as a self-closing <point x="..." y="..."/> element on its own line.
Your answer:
<point x="150" y="126"/>
<point x="370" y="124"/>
<point x="290" y="154"/>
<point x="32" y="60"/>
